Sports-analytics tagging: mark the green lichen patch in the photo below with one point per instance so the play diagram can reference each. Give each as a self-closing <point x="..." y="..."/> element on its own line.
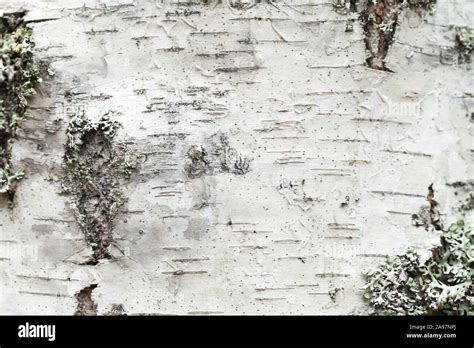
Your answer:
<point x="18" y="76"/>
<point x="441" y="285"/>
<point x="380" y="20"/>
<point x="464" y="44"/>
<point x="95" y="169"/>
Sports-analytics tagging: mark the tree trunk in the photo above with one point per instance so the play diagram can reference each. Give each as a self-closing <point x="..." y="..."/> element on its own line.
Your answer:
<point x="273" y="165"/>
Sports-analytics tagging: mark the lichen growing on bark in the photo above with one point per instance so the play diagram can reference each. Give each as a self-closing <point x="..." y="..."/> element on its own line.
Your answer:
<point x="380" y="20"/>
<point x="429" y="215"/>
<point x="441" y="285"/>
<point x="215" y="157"/>
<point x="464" y="44"/>
<point x="18" y="77"/>
<point x="95" y="169"/>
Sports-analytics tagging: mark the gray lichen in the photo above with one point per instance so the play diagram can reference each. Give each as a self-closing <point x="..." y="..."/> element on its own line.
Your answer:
<point x="95" y="169"/>
<point x="443" y="284"/>
<point x="215" y="157"/>
<point x="18" y="77"/>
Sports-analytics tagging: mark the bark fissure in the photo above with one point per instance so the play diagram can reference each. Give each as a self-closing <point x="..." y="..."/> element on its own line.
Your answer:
<point x="85" y="304"/>
<point x="380" y="21"/>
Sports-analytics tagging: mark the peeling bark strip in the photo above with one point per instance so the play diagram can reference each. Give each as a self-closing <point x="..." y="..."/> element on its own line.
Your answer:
<point x="85" y="304"/>
<point x="18" y="76"/>
<point x="215" y="157"/>
<point x="380" y="20"/>
<point x="95" y="167"/>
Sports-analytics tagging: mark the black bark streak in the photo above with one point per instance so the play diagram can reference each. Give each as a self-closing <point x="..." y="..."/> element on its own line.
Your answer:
<point x="378" y="41"/>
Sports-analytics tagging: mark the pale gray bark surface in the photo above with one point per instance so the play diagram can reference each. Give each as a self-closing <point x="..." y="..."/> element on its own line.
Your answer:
<point x="288" y="86"/>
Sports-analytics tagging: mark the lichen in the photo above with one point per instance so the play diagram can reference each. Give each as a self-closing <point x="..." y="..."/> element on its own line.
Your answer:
<point x="429" y="215"/>
<point x="18" y="77"/>
<point x="464" y="44"/>
<point x="380" y="20"/>
<point x="95" y="169"/>
<point x="441" y="285"/>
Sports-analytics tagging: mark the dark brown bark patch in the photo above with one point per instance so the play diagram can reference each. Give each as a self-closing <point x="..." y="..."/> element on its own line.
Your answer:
<point x="380" y="21"/>
<point x="85" y="304"/>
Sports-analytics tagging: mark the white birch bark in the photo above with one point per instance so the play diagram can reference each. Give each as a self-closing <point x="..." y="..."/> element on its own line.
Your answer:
<point x="288" y="86"/>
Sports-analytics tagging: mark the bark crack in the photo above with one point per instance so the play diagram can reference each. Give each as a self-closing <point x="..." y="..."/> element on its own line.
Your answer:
<point x="380" y="21"/>
<point x="85" y="304"/>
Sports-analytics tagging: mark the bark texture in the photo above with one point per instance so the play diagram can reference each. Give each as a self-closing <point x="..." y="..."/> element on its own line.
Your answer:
<point x="273" y="165"/>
